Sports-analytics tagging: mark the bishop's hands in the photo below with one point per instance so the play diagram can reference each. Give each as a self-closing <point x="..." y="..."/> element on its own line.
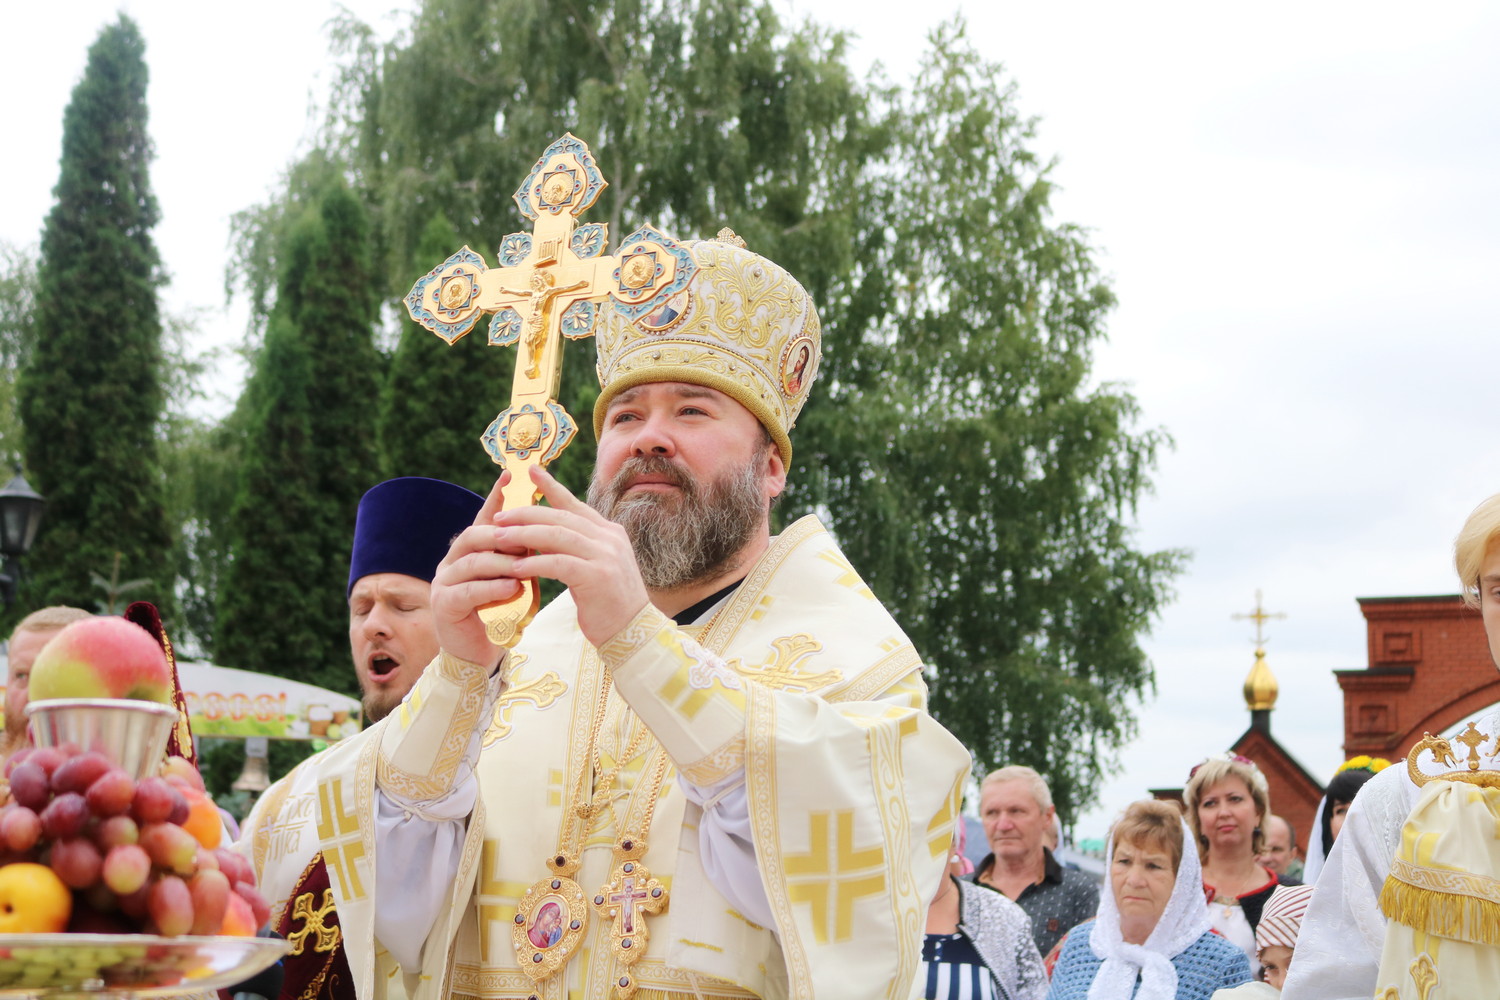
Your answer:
<point x="568" y="541"/>
<point x="477" y="572"/>
<point x="579" y="547"/>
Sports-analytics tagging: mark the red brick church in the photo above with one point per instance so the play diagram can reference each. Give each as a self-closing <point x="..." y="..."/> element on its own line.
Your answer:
<point x="1429" y="670"/>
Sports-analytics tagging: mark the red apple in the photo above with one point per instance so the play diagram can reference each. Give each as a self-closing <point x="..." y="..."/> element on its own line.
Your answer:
<point x="101" y="658"/>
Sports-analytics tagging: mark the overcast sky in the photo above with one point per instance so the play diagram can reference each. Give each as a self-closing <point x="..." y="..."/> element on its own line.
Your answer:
<point x="1296" y="206"/>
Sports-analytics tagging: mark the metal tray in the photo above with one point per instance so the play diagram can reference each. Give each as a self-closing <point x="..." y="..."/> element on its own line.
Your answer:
<point x="135" y="965"/>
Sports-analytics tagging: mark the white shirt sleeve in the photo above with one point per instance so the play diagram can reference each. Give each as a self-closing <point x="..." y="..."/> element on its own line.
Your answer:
<point x="1338" y="947"/>
<point x="417" y="860"/>
<point x="418" y="846"/>
<point x="726" y="848"/>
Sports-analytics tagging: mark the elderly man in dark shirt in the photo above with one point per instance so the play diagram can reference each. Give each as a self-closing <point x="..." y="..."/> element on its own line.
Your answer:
<point x="1015" y="805"/>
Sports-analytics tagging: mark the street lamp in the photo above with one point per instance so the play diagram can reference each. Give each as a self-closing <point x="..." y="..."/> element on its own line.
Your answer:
<point x="20" y="516"/>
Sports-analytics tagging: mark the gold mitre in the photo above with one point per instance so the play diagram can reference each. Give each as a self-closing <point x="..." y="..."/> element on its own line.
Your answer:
<point x="742" y="325"/>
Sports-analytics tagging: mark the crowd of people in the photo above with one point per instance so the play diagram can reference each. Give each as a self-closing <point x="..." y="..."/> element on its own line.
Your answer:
<point x="1197" y="901"/>
<point x="1210" y="898"/>
<point x="707" y="769"/>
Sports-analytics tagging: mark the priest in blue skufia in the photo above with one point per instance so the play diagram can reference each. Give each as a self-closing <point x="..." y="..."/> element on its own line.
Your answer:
<point x="402" y="531"/>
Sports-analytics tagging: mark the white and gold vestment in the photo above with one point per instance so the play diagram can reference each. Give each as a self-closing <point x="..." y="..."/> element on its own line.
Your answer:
<point x="800" y="692"/>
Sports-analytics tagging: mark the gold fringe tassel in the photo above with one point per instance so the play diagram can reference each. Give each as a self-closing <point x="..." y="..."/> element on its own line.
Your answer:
<point x="1450" y="915"/>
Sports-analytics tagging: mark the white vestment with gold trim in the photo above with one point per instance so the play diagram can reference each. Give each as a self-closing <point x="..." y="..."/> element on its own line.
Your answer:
<point x="802" y="686"/>
<point x="1346" y="937"/>
<point x="317" y="807"/>
<point x="1443" y="898"/>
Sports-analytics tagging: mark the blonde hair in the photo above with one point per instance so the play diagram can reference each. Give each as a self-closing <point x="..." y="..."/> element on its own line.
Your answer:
<point x="1215" y="770"/>
<point x="1150" y="823"/>
<point x="1480" y="531"/>
<point x="1020" y="772"/>
<point x="49" y="619"/>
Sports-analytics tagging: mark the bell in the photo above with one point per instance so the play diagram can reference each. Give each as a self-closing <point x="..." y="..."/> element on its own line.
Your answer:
<point x="256" y="776"/>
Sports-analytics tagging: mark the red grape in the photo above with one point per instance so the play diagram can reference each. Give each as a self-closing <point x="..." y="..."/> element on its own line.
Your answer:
<point x="49" y="758"/>
<point x="153" y="800"/>
<point x="180" y="808"/>
<point x="29" y="785"/>
<point x="126" y="868"/>
<point x="171" y="906"/>
<point x="210" y="893"/>
<point x="115" y="831"/>
<point x="65" y="816"/>
<point x="18" y="758"/>
<point x="134" y="904"/>
<point x="19" y="827"/>
<point x="111" y="793"/>
<point x="170" y="847"/>
<point x="78" y="773"/>
<point x="76" y="861"/>
<point x="257" y="902"/>
<point x="235" y="865"/>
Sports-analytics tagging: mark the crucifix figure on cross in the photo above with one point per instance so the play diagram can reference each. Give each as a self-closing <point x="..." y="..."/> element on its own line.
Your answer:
<point x="550" y="284"/>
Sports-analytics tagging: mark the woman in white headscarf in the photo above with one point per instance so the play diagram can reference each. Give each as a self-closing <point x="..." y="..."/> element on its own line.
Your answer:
<point x="1151" y="939"/>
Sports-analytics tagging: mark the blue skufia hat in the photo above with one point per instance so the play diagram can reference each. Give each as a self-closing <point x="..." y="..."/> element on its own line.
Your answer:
<point x="406" y="525"/>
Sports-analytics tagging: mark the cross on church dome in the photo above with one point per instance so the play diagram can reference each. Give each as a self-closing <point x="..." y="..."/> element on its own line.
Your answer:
<point x="1261" y="688"/>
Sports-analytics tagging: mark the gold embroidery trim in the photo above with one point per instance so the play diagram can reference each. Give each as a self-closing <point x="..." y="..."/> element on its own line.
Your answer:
<point x="717" y="766"/>
<point x="1459" y="883"/>
<point x="326" y="937"/>
<point x="634" y="637"/>
<point x="471" y="683"/>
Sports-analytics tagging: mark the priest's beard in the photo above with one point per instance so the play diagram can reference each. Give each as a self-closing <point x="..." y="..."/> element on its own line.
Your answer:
<point x="689" y="537"/>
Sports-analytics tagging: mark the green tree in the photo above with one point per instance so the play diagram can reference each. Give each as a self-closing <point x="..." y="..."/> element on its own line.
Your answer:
<point x="957" y="445"/>
<point x="308" y="455"/>
<point x="974" y="474"/>
<point x="17" y="314"/>
<point x="90" y="394"/>
<point x="202" y="460"/>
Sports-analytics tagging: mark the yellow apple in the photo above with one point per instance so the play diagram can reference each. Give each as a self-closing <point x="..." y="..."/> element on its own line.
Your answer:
<point x="33" y="900"/>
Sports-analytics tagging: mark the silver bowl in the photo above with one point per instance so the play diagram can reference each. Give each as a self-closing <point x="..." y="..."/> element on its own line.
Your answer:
<point x="133" y="734"/>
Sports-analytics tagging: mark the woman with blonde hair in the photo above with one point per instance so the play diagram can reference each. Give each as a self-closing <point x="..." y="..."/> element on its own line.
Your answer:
<point x="1227" y="804"/>
<point x="1151" y="939"/>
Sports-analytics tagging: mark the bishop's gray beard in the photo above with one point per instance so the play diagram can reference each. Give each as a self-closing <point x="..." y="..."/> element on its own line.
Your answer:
<point x="690" y="537"/>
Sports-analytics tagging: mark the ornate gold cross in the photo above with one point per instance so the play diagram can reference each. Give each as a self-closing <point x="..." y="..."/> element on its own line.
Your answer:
<point x="327" y="937"/>
<point x="1471" y="737"/>
<point x="624" y="901"/>
<point x="550" y="284"/>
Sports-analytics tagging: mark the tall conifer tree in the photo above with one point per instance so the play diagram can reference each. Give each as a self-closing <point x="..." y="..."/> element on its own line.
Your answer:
<point x="309" y="454"/>
<point x="90" y="395"/>
<point x="17" y="317"/>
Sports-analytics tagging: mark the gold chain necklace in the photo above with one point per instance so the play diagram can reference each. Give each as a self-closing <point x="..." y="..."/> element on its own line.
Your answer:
<point x="552" y="915"/>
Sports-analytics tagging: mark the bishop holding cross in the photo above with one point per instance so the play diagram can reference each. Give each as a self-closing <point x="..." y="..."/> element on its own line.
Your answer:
<point x="691" y="823"/>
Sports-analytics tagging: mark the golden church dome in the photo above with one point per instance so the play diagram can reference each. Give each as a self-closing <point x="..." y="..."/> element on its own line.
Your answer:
<point x="1260" y="686"/>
